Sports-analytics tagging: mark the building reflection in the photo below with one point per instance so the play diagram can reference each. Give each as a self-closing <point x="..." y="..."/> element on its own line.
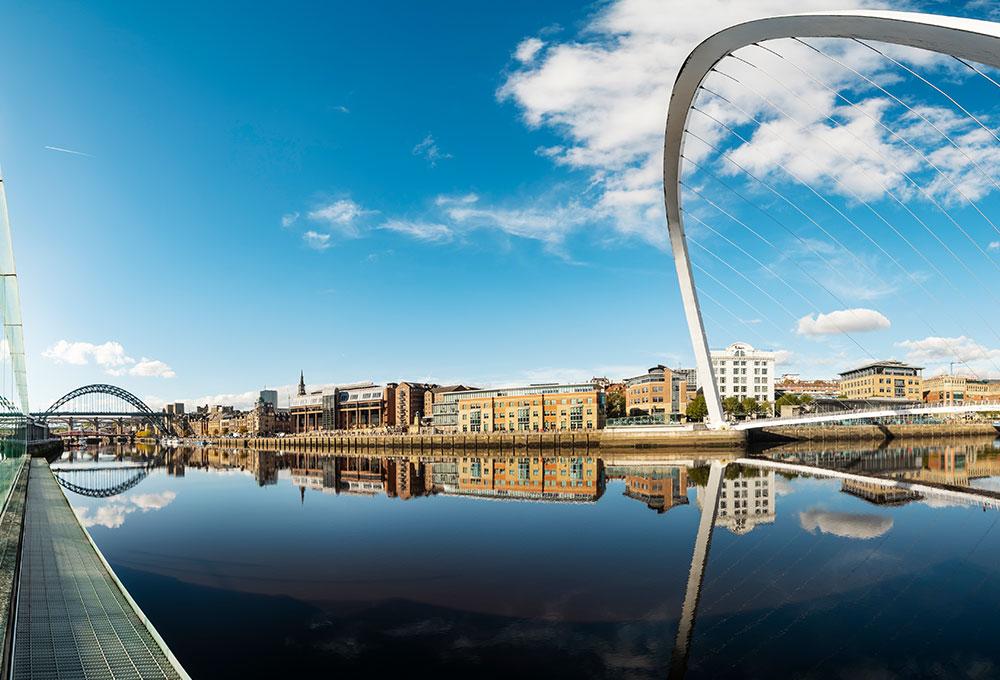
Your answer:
<point x="946" y="465"/>
<point x="659" y="487"/>
<point x="746" y="499"/>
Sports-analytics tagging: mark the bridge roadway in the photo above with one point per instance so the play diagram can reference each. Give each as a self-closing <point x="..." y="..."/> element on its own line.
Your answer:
<point x="74" y="619"/>
<point x="872" y="414"/>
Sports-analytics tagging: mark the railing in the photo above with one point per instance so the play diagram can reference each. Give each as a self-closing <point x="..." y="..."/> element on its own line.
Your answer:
<point x="887" y="411"/>
<point x="631" y="421"/>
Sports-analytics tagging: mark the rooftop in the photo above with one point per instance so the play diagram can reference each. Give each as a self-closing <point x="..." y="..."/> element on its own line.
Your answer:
<point x="889" y="363"/>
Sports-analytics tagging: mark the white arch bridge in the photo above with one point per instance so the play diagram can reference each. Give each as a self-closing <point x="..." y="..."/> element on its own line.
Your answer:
<point x="870" y="414"/>
<point x="732" y="91"/>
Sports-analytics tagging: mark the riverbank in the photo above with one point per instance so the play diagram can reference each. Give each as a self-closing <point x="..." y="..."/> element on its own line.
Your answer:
<point x="609" y="440"/>
<point x="872" y="433"/>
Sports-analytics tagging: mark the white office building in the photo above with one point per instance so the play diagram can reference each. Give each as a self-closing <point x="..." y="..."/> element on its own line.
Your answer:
<point x="743" y="371"/>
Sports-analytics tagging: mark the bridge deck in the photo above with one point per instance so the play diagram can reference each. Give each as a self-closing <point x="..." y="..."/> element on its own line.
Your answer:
<point x="73" y="620"/>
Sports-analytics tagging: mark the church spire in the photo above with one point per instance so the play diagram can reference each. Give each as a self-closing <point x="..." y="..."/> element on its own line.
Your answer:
<point x="302" y="383"/>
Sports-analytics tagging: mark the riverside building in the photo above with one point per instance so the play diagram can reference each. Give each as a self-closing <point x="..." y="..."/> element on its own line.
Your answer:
<point x="883" y="380"/>
<point x="659" y="392"/>
<point x="358" y="406"/>
<point x="534" y="408"/>
<point x="955" y="390"/>
<point x="743" y="371"/>
<point x="441" y="406"/>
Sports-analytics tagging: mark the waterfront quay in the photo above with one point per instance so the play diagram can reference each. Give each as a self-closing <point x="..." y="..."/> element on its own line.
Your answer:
<point x="65" y="613"/>
<point x="602" y="440"/>
<point x="492" y="441"/>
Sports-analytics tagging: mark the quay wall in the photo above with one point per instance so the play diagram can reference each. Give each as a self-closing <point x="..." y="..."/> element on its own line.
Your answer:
<point x="875" y="433"/>
<point x="495" y="441"/>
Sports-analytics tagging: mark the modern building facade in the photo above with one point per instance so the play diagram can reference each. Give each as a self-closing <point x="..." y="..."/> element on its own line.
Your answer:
<point x="660" y="392"/>
<point x="743" y="371"/>
<point x="441" y="406"/>
<point x="891" y="380"/>
<point x="955" y="390"/>
<point x="534" y="408"/>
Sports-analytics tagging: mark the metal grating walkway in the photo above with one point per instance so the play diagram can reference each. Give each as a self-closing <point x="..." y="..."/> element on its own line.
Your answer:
<point x="73" y="621"/>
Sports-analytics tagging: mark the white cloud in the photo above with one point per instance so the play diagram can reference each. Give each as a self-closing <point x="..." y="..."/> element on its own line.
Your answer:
<point x="341" y="109"/>
<point x="549" y="224"/>
<point x="289" y="219"/>
<point x="843" y="321"/>
<point x="528" y="49"/>
<point x="316" y="240"/>
<point x="423" y="231"/>
<point x="152" y="368"/>
<point x="845" y="524"/>
<point x="938" y="353"/>
<point x="605" y="92"/>
<point x="994" y="245"/>
<point x="109" y="355"/>
<point x="339" y="215"/>
<point x="464" y="199"/>
<point x="428" y="149"/>
<point x="783" y="356"/>
<point x="112" y="513"/>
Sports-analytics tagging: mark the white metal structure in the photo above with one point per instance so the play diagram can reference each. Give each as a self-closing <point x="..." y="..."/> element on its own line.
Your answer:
<point x="972" y="407"/>
<point x="973" y="40"/>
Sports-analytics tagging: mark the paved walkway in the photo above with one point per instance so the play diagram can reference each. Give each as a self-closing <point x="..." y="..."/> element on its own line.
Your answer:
<point x="73" y="621"/>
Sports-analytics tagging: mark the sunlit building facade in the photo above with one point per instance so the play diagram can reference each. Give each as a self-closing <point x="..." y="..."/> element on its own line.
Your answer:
<point x="659" y="392"/>
<point x="743" y="371"/>
<point x="883" y="380"/>
<point x="955" y="390"/>
<point x="535" y="408"/>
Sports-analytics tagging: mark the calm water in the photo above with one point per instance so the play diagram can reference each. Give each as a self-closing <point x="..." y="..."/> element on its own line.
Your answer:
<point x="265" y="565"/>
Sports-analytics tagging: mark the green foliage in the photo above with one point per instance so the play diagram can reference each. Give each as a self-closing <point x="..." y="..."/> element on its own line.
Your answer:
<point x="697" y="409"/>
<point x="750" y="406"/>
<point x="699" y="475"/>
<point x="732" y="406"/>
<point x="614" y="405"/>
<point x="789" y="399"/>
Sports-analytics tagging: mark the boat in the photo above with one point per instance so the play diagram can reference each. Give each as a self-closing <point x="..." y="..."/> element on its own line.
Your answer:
<point x="172" y="442"/>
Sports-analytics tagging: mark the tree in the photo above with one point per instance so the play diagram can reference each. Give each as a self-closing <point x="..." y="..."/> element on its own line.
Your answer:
<point x="732" y="406"/>
<point x="750" y="406"/>
<point x="789" y="399"/>
<point x="697" y="409"/>
<point x="615" y="405"/>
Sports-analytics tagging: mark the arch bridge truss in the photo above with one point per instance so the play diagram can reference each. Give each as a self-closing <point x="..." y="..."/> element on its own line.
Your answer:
<point x="101" y="401"/>
<point x="100" y="481"/>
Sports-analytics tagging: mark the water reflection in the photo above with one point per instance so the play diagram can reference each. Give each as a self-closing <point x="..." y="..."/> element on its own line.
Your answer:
<point x="567" y="564"/>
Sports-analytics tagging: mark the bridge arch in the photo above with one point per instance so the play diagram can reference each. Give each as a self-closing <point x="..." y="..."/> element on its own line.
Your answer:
<point x="100" y="481"/>
<point x="100" y="399"/>
<point x="970" y="39"/>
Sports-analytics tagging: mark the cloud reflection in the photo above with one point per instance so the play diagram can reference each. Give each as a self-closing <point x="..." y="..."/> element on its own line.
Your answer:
<point x="112" y="513"/>
<point x="845" y="524"/>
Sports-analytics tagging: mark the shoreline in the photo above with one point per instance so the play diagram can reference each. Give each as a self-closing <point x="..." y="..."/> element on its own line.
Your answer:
<point x="607" y="440"/>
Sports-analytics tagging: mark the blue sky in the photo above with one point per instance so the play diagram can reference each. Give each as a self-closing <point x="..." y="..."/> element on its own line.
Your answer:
<point x="360" y="190"/>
